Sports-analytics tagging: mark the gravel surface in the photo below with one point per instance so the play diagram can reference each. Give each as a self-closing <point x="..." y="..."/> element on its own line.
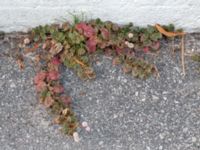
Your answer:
<point x="124" y="113"/>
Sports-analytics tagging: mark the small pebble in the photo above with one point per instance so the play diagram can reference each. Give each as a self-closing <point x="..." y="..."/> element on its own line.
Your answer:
<point x="194" y="139"/>
<point x="130" y="35"/>
<point x="84" y="124"/>
<point x="162" y="136"/>
<point x="185" y="130"/>
<point x="115" y="116"/>
<point x="160" y="147"/>
<point x="154" y="97"/>
<point x="126" y="42"/>
<point x="76" y="137"/>
<point x="87" y="129"/>
<point x="130" y="45"/>
<point x="101" y="143"/>
<point x="27" y="41"/>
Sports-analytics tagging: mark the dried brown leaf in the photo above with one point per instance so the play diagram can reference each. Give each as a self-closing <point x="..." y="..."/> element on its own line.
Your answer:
<point x="56" y="48"/>
<point x="20" y="62"/>
<point x="168" y="34"/>
<point x="48" y="102"/>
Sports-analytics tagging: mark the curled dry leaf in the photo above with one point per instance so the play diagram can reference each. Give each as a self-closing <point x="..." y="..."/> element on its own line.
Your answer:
<point x="79" y="62"/>
<point x="168" y="34"/>
<point x="89" y="72"/>
<point x="56" y="48"/>
<point x="30" y="50"/>
<point x="48" y="101"/>
<point x="57" y="120"/>
<point x="20" y="63"/>
<point x="65" y="111"/>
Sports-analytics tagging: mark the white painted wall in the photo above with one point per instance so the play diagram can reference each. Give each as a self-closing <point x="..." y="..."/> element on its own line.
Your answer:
<point x="18" y="15"/>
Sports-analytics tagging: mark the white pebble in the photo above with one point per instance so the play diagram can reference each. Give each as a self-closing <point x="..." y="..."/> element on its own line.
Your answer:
<point x="126" y="42"/>
<point x="76" y="137"/>
<point x="84" y="124"/>
<point x="160" y="147"/>
<point x="130" y="45"/>
<point x="27" y="41"/>
<point x="87" y="129"/>
<point x="194" y="139"/>
<point x="130" y="35"/>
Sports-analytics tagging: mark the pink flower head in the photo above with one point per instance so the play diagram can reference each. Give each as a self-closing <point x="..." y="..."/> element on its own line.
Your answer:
<point x="40" y="77"/>
<point x="85" y="29"/>
<point x="58" y="89"/>
<point x="53" y="75"/>
<point x="55" y="61"/>
<point x="146" y="49"/>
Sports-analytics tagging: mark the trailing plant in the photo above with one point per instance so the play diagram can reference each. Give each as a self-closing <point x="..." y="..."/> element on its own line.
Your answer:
<point x="73" y="44"/>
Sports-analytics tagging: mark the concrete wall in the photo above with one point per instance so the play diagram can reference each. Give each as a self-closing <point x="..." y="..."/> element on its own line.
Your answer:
<point x="17" y="15"/>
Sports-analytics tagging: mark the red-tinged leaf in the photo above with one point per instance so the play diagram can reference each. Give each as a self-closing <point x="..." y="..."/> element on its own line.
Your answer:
<point x="89" y="31"/>
<point x="48" y="102"/>
<point x="40" y="77"/>
<point x="80" y="27"/>
<point x="85" y="29"/>
<point x="105" y="33"/>
<point x="146" y="49"/>
<point x="66" y="100"/>
<point x="91" y="44"/>
<point x="155" y="45"/>
<point x="119" y="50"/>
<point x="116" y="61"/>
<point x="41" y="86"/>
<point x="53" y="75"/>
<point x="58" y="89"/>
<point x="55" y="61"/>
<point x="56" y="48"/>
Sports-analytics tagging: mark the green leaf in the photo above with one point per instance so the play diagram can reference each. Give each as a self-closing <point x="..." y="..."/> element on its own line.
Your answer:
<point x="85" y="59"/>
<point x="81" y="51"/>
<point x="150" y="29"/>
<point x="156" y="36"/>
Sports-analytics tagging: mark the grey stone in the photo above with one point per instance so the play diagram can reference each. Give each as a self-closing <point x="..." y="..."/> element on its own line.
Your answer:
<point x="113" y="106"/>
